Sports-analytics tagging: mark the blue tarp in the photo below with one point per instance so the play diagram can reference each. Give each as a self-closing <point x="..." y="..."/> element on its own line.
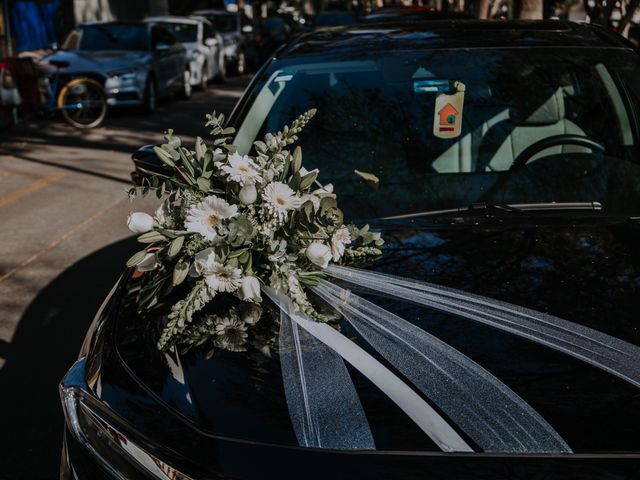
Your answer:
<point x="33" y="24"/>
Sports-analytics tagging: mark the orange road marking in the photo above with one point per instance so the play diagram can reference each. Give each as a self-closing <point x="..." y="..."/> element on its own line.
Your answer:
<point x="29" y="188"/>
<point x="59" y="240"/>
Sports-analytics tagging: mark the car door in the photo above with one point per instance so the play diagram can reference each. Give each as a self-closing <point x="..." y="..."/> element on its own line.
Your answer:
<point x="164" y="63"/>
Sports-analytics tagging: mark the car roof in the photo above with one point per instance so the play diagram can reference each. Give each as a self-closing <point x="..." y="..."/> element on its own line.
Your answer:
<point x="451" y="34"/>
<point x="175" y="19"/>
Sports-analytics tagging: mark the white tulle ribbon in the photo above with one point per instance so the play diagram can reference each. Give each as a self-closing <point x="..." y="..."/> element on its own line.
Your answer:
<point x="323" y="404"/>
<point x="608" y="353"/>
<point x="495" y="417"/>
<point x="428" y="419"/>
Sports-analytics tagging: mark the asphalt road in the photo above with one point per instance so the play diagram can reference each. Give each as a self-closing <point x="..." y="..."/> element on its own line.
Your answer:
<point x="63" y="207"/>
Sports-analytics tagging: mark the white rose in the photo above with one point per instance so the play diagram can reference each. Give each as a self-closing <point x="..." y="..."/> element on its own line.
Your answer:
<point x="250" y="289"/>
<point x="248" y="194"/>
<point x="148" y="263"/>
<point x="140" y="222"/>
<point x="319" y="254"/>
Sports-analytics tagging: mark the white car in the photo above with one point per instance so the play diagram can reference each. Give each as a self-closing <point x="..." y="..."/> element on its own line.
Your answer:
<point x="204" y="47"/>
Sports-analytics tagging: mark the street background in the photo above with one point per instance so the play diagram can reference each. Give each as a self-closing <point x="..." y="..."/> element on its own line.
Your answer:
<point x="63" y="209"/>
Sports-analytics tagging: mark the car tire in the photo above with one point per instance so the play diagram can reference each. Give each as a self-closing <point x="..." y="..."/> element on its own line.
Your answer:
<point x="150" y="100"/>
<point x="185" y="92"/>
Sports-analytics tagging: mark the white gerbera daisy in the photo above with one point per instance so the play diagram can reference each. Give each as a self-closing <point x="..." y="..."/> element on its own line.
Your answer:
<point x="339" y="239"/>
<point x="231" y="334"/>
<point x="203" y="217"/>
<point x="223" y="278"/>
<point x="280" y="199"/>
<point x="242" y="169"/>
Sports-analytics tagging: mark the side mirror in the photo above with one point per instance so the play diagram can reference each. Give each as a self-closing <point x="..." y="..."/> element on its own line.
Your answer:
<point x="247" y="29"/>
<point x="162" y="47"/>
<point x="211" y="42"/>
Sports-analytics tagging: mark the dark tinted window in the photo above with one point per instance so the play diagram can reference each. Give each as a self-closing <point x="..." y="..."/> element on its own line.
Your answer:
<point x="114" y="36"/>
<point x="183" y="32"/>
<point x="378" y="114"/>
<point x="161" y="35"/>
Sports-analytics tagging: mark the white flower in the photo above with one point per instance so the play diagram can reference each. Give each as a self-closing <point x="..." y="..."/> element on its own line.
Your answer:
<point x="242" y="169"/>
<point x="280" y="199"/>
<point x="319" y="254"/>
<point x="203" y="217"/>
<point x="223" y="278"/>
<point x="231" y="334"/>
<point x="250" y="289"/>
<point x="339" y="239"/>
<point x="248" y="194"/>
<point x="325" y="190"/>
<point x="304" y="171"/>
<point x="148" y="263"/>
<point x="140" y="222"/>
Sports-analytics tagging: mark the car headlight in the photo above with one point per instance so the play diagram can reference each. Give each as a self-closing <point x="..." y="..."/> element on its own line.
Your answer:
<point x="122" y="78"/>
<point x="109" y="446"/>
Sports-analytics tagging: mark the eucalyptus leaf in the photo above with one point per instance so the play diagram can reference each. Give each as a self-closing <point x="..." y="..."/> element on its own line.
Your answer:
<point x="201" y="149"/>
<point x="180" y="272"/>
<point x="164" y="156"/>
<point x="204" y="184"/>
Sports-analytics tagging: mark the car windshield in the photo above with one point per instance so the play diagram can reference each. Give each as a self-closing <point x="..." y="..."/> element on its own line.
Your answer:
<point x="115" y="36"/>
<point x="222" y="22"/>
<point x="444" y="129"/>
<point x="184" y="32"/>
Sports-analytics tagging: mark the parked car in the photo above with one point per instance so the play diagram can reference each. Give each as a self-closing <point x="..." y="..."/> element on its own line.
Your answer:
<point x="239" y="37"/>
<point x="204" y="47"/>
<point x="136" y="62"/>
<point x="525" y="191"/>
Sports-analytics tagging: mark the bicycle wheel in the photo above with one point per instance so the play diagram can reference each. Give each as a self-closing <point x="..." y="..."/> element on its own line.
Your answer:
<point x="83" y="103"/>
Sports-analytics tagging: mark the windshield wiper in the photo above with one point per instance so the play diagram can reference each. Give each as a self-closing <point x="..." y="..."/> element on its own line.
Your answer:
<point x="520" y="208"/>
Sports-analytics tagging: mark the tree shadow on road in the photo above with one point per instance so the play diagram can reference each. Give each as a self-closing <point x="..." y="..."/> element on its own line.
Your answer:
<point x="45" y="344"/>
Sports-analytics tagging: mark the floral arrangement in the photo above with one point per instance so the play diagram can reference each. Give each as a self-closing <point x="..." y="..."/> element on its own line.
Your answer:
<point x="230" y="223"/>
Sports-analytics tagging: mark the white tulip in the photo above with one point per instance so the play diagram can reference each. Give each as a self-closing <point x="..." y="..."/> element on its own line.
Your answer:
<point x="250" y="289"/>
<point x="140" y="222"/>
<point x="319" y="254"/>
<point x="248" y="194"/>
<point x="148" y="263"/>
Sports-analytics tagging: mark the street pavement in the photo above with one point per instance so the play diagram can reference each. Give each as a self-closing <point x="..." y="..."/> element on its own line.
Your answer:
<point x="63" y="208"/>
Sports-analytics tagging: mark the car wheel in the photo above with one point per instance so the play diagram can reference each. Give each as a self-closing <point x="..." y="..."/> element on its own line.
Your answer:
<point x="186" y="85"/>
<point x="150" y="96"/>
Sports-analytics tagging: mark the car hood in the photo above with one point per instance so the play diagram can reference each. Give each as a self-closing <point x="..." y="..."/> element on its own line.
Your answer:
<point x="585" y="270"/>
<point x="101" y="61"/>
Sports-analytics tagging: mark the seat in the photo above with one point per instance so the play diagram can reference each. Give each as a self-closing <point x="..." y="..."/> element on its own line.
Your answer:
<point x="505" y="136"/>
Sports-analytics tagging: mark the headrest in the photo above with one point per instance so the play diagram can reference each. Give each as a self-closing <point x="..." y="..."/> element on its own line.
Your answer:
<point x="543" y="110"/>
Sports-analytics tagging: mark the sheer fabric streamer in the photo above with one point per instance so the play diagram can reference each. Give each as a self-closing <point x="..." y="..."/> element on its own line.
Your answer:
<point x="603" y="351"/>
<point x="425" y="417"/>
<point x="495" y="417"/>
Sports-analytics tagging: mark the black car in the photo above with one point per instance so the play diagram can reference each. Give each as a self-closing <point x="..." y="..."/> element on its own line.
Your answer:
<point x="413" y="15"/>
<point x="239" y="38"/>
<point x="507" y="166"/>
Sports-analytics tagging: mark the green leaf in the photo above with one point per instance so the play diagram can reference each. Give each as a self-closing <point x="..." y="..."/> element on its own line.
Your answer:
<point x="151" y="237"/>
<point x="204" y="184"/>
<point x="175" y="246"/>
<point x="238" y="253"/>
<point x="180" y="272"/>
<point x="228" y="131"/>
<point x="368" y="177"/>
<point x="136" y="258"/>
<point x="164" y="156"/>
<point x="201" y="148"/>
<point x="294" y="183"/>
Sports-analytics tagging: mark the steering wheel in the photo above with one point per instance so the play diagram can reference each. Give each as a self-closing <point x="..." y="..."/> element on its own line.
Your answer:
<point x="563" y="139"/>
